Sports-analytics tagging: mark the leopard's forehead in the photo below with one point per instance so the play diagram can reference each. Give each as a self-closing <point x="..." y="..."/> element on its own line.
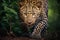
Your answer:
<point x="30" y="3"/>
<point x="30" y="9"/>
<point x="30" y="6"/>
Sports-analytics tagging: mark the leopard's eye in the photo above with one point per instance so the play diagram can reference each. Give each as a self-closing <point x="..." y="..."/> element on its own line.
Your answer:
<point x="33" y="15"/>
<point x="25" y="16"/>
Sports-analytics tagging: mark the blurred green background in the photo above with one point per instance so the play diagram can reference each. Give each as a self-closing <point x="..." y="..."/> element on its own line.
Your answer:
<point x="9" y="17"/>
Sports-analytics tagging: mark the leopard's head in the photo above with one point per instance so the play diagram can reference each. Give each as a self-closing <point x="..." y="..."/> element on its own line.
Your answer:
<point x="30" y="11"/>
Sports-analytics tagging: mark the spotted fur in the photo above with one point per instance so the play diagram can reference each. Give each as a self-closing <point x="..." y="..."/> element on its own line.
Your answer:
<point x="34" y="11"/>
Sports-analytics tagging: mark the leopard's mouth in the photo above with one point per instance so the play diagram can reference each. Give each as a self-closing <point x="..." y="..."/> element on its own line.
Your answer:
<point x="29" y="23"/>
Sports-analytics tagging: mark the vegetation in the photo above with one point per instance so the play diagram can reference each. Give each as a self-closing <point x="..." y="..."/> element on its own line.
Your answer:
<point x="9" y="19"/>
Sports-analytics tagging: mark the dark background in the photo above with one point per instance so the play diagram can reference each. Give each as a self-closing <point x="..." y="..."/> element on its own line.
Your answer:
<point x="9" y="18"/>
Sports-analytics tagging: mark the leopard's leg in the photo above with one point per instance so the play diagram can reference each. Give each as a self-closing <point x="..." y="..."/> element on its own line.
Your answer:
<point x="43" y="23"/>
<point x="37" y="30"/>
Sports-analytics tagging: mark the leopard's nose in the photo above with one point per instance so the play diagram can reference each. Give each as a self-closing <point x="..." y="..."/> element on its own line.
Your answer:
<point x="29" y="22"/>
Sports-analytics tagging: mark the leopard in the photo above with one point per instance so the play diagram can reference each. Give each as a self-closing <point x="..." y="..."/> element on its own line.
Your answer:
<point x="34" y="14"/>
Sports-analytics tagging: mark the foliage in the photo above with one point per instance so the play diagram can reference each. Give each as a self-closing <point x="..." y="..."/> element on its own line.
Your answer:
<point x="9" y="16"/>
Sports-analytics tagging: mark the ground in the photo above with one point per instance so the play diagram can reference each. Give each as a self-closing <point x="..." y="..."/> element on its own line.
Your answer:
<point x="16" y="38"/>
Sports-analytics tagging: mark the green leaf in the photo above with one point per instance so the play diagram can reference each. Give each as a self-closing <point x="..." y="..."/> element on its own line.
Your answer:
<point x="10" y="10"/>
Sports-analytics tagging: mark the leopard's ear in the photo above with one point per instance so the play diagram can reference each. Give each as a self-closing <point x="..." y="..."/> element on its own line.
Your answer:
<point x="21" y="2"/>
<point x="39" y="4"/>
